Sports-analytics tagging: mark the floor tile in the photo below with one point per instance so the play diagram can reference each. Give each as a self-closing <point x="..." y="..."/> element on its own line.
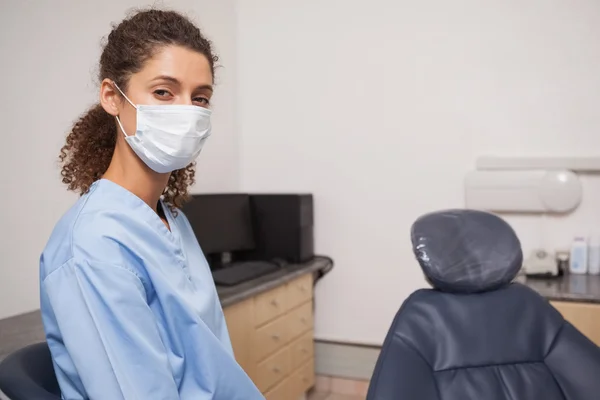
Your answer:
<point x="323" y="384"/>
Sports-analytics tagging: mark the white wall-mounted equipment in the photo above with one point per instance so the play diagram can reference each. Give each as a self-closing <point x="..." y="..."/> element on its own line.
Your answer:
<point x="530" y="191"/>
<point x="575" y="164"/>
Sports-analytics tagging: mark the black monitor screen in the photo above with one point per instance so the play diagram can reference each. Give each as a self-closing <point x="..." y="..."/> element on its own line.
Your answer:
<point x="221" y="222"/>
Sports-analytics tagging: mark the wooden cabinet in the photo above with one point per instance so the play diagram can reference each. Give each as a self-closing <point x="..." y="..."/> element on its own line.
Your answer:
<point x="584" y="316"/>
<point x="272" y="338"/>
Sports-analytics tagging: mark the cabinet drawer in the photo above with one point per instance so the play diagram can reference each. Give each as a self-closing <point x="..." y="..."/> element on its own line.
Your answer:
<point x="269" y="305"/>
<point x="304" y="378"/>
<point x="299" y="290"/>
<point x="297" y="384"/>
<point x="302" y="349"/>
<point x="283" y="391"/>
<point x="270" y="337"/>
<point x="240" y="324"/>
<point x="583" y="316"/>
<point x="300" y="320"/>
<point x="273" y="370"/>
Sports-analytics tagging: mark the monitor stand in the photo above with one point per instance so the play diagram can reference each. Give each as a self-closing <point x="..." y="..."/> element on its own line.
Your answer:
<point x="226" y="258"/>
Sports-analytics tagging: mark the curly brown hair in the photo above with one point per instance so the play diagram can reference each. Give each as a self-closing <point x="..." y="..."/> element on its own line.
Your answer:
<point x="89" y="146"/>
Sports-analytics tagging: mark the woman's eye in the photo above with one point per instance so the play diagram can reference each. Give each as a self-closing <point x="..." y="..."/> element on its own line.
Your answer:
<point x="202" y="101"/>
<point x="162" y="93"/>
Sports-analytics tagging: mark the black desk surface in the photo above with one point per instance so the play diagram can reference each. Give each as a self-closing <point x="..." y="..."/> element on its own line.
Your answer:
<point x="233" y="294"/>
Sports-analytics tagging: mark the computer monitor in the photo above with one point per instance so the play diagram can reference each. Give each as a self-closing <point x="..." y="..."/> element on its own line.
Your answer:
<point x="222" y="223"/>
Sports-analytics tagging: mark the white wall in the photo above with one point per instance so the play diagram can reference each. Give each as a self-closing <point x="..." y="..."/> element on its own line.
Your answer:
<point x="379" y="108"/>
<point x="48" y="62"/>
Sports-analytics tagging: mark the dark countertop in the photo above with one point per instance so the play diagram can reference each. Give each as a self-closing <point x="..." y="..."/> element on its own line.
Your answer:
<point x="577" y="288"/>
<point x="233" y="294"/>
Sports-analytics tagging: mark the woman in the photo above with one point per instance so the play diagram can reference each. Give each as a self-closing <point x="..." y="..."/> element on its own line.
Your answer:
<point x="128" y="302"/>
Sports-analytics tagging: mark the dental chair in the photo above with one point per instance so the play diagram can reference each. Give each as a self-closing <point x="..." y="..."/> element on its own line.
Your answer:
<point x="476" y="335"/>
<point x="28" y="374"/>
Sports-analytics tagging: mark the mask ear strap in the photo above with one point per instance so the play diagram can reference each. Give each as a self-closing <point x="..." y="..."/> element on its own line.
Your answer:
<point x="126" y="98"/>
<point x="121" y="125"/>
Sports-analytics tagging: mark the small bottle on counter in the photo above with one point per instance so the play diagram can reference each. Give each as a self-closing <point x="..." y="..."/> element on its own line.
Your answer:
<point x="562" y="261"/>
<point x="594" y="255"/>
<point x="578" y="261"/>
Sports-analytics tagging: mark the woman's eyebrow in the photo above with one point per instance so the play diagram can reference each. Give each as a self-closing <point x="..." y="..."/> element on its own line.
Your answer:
<point x="177" y="82"/>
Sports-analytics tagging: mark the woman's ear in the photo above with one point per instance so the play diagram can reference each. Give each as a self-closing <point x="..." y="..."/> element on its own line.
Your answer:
<point x="110" y="98"/>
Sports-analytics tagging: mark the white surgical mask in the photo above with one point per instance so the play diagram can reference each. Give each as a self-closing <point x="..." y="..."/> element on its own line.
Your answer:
<point x="168" y="137"/>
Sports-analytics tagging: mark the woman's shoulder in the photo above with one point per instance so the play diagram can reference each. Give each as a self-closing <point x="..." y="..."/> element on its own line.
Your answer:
<point x="92" y="229"/>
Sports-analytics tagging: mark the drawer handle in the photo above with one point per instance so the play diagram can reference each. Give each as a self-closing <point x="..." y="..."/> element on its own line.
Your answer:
<point x="276" y="370"/>
<point x="303" y="320"/>
<point x="275" y="337"/>
<point x="304" y="350"/>
<point x="274" y="303"/>
<point x="303" y="288"/>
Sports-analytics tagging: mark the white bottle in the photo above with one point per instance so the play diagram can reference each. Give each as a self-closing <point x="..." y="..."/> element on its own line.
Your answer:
<point x="594" y="255"/>
<point x="578" y="262"/>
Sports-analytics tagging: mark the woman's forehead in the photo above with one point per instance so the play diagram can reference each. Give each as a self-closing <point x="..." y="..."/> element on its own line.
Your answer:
<point x="187" y="67"/>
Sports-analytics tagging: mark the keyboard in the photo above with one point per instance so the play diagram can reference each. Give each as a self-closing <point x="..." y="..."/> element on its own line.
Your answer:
<point x="240" y="272"/>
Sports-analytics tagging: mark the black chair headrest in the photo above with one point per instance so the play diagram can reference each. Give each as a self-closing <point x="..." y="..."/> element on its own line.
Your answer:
<point x="466" y="251"/>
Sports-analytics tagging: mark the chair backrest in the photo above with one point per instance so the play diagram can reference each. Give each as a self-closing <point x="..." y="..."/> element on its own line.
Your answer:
<point x="476" y="335"/>
<point x="29" y="374"/>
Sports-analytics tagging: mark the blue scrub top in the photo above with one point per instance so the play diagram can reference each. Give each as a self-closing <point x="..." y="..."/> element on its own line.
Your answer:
<point x="130" y="308"/>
